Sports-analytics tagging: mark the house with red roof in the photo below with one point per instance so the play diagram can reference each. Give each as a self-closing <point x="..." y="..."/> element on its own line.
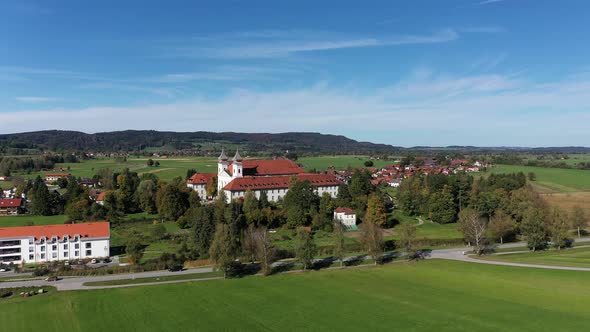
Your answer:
<point x="12" y="206"/>
<point x="236" y="176"/>
<point x="53" y="177"/>
<point x="199" y="181"/>
<point x="47" y="243"/>
<point x="346" y="216"/>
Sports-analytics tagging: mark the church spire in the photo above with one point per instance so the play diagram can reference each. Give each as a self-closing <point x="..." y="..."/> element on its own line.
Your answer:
<point x="223" y="156"/>
<point x="237" y="157"/>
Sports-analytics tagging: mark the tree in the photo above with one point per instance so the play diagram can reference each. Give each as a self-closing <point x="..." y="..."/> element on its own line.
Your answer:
<point x="407" y="237"/>
<point x="194" y="200"/>
<point x="251" y="207"/>
<point x="501" y="225"/>
<point x="221" y="250"/>
<point x="190" y="172"/>
<point x="211" y="187"/>
<point x="532" y="226"/>
<point x="249" y="243"/>
<point x="368" y="163"/>
<point x="372" y="239"/>
<point x="134" y="250"/>
<point x="360" y="183"/>
<point x="146" y="196"/>
<point x="263" y="200"/>
<point x="171" y="202"/>
<point x="150" y="162"/>
<point x="299" y="202"/>
<point x="442" y="206"/>
<point x="557" y="226"/>
<point x="157" y="163"/>
<point x="203" y="229"/>
<point x="532" y="176"/>
<point x="375" y="211"/>
<point x="41" y="198"/>
<point x="112" y="205"/>
<point x="473" y="227"/>
<point x="579" y="219"/>
<point x="338" y="235"/>
<point x="305" y="248"/>
<point x="265" y="251"/>
<point x="78" y="209"/>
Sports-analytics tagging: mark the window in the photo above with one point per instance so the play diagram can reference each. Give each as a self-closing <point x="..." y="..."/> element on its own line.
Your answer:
<point x="31" y="249"/>
<point x="76" y="253"/>
<point x="54" y="247"/>
<point x="42" y="256"/>
<point x="66" y="246"/>
<point x="88" y="245"/>
<point x="77" y="246"/>
<point x="65" y="254"/>
<point x="42" y="248"/>
<point x="88" y="252"/>
<point x="31" y="257"/>
<point x="54" y="255"/>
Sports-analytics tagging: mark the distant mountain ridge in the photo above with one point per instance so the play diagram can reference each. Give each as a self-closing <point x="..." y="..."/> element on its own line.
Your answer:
<point x="136" y="140"/>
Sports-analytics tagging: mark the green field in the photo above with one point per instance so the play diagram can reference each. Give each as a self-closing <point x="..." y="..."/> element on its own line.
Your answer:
<point x="22" y="220"/>
<point x="579" y="257"/>
<point x="424" y="296"/>
<point x="339" y="162"/>
<point x="551" y="179"/>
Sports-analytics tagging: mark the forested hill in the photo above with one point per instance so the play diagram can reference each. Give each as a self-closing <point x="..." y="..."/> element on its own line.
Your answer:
<point x="135" y="140"/>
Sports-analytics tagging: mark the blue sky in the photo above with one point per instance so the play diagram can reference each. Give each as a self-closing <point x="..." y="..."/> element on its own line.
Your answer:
<point x="440" y="72"/>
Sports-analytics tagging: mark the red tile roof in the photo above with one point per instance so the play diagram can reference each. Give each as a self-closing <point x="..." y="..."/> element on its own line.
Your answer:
<point x="11" y="202"/>
<point x="101" y="196"/>
<point x="269" y="167"/>
<point x="344" y="210"/>
<point x="279" y="182"/>
<point x="201" y="178"/>
<point x="85" y="230"/>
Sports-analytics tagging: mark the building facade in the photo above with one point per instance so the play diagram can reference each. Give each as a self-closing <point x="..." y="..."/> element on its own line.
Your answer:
<point x="237" y="176"/>
<point x="41" y="244"/>
<point x="53" y="177"/>
<point x="199" y="181"/>
<point x="345" y="216"/>
<point x="12" y="206"/>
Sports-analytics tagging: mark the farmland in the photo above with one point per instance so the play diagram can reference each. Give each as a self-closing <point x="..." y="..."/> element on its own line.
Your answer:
<point x="551" y="180"/>
<point x="423" y="296"/>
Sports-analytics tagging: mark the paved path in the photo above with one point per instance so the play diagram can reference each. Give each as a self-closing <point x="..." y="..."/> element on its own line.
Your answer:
<point x="76" y="283"/>
<point x="458" y="255"/>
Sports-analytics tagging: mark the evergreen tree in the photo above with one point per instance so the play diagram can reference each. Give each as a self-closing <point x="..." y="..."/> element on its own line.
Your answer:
<point x="442" y="207"/>
<point x="222" y="249"/>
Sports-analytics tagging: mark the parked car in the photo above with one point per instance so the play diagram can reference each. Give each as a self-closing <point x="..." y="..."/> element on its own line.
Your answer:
<point x="52" y="278"/>
<point x="93" y="261"/>
<point x="4" y="269"/>
<point x="175" y="268"/>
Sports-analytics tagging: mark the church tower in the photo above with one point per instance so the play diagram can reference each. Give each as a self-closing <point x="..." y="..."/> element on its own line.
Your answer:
<point x="237" y="166"/>
<point x="222" y="162"/>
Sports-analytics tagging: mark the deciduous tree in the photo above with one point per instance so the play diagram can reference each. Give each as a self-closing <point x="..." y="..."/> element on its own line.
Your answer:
<point x="305" y="248"/>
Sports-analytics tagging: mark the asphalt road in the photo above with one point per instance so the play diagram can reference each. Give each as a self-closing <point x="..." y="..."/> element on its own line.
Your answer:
<point x="76" y="283"/>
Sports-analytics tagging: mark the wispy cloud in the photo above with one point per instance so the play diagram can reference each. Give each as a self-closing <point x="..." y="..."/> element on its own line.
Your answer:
<point x="482" y="29"/>
<point x="502" y="110"/>
<point x="272" y="44"/>
<point x="30" y="99"/>
<point x="486" y="2"/>
<point x="164" y="92"/>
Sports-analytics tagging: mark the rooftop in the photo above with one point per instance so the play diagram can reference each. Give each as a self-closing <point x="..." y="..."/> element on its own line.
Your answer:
<point x="84" y="230"/>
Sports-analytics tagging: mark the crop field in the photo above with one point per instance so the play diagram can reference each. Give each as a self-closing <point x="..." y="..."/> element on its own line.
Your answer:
<point x="577" y="257"/>
<point x="339" y="162"/>
<point x="424" y="296"/>
<point x="551" y="180"/>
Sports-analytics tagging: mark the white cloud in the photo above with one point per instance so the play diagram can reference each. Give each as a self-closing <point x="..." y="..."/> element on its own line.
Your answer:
<point x="30" y="99"/>
<point x="431" y="109"/>
<point x="282" y="44"/>
<point x="486" y="2"/>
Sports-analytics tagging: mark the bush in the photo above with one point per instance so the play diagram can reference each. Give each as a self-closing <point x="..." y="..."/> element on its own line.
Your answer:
<point x="40" y="271"/>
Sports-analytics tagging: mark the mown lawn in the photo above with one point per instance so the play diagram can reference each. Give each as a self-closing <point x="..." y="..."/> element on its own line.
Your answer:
<point x="339" y="162"/>
<point x="424" y="296"/>
<point x="576" y="257"/>
<point x="26" y="220"/>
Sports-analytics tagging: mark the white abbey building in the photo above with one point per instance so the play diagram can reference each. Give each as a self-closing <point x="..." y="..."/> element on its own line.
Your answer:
<point x="236" y="176"/>
<point x="39" y="244"/>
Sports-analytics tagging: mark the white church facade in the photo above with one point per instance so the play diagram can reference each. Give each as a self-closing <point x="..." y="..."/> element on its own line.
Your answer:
<point x="236" y="176"/>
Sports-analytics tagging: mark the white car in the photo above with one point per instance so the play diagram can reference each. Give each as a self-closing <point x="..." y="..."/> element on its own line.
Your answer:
<point x="4" y="269"/>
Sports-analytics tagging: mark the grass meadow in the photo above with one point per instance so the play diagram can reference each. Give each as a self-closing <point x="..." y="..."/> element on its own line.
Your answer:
<point x="432" y="295"/>
<point x="551" y="180"/>
<point x="576" y="257"/>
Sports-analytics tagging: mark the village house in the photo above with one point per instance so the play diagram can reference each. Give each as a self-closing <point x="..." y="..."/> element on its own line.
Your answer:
<point x="345" y="216"/>
<point x="39" y="244"/>
<point x="12" y="206"/>
<point x="199" y="181"/>
<point x="273" y="177"/>
<point x="52" y="178"/>
<point x="100" y="198"/>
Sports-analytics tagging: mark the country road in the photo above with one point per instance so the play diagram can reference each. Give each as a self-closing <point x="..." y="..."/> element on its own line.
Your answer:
<point x="457" y="254"/>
